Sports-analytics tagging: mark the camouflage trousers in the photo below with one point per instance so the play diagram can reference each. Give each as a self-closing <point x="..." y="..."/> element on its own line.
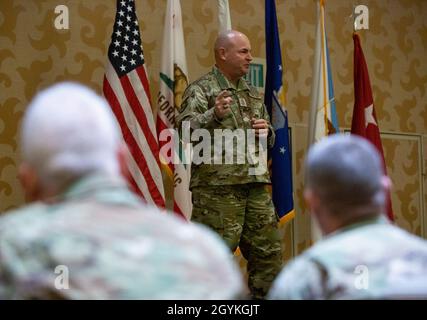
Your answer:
<point x="244" y="216"/>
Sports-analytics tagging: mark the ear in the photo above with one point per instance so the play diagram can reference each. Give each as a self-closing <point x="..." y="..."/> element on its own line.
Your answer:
<point x="122" y="157"/>
<point x="222" y="53"/>
<point x="320" y="221"/>
<point x="308" y="195"/>
<point x="30" y="182"/>
<point x="311" y="199"/>
<point x="386" y="183"/>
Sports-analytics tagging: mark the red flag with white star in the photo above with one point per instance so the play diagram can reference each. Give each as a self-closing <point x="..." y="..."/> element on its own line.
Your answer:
<point x="365" y="122"/>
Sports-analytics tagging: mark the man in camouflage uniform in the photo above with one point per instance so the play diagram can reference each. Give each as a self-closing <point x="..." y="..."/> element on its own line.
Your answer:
<point x="229" y="197"/>
<point x="86" y="236"/>
<point x="363" y="255"/>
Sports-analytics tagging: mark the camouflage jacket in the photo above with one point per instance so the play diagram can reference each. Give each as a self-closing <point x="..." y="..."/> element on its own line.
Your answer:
<point x="369" y="260"/>
<point x="198" y="109"/>
<point x="98" y="241"/>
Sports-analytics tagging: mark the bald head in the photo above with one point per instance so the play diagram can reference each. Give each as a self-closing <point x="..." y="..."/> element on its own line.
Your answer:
<point x="345" y="172"/>
<point x="232" y="54"/>
<point x="68" y="131"/>
<point x="227" y="38"/>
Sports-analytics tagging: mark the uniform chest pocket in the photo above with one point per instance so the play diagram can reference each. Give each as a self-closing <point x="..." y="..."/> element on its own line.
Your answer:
<point x="256" y="105"/>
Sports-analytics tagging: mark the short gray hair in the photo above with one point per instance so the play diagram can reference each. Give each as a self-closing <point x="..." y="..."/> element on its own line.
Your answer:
<point x="68" y="131"/>
<point x="346" y="172"/>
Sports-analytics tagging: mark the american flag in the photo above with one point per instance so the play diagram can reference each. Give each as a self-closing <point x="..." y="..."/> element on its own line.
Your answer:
<point x="126" y="88"/>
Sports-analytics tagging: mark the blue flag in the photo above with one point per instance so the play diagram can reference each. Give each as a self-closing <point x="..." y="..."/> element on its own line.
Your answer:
<point x="280" y="154"/>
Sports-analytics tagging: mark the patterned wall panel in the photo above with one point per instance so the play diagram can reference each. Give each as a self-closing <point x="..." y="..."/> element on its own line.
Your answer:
<point x="302" y="223"/>
<point x="33" y="55"/>
<point x="406" y="175"/>
<point x="424" y="171"/>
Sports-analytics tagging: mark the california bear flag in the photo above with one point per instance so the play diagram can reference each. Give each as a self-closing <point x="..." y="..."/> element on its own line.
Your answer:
<point x="173" y="81"/>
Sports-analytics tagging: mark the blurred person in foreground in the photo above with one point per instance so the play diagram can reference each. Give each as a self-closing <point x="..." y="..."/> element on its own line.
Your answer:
<point x="86" y="235"/>
<point x="363" y="256"/>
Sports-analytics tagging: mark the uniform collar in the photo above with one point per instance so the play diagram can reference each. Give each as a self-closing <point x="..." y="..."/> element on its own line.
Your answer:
<point x="225" y="84"/>
<point x="380" y="219"/>
<point x="102" y="187"/>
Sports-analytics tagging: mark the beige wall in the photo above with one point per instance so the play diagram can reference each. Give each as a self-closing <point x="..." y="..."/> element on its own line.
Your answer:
<point x="33" y="55"/>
